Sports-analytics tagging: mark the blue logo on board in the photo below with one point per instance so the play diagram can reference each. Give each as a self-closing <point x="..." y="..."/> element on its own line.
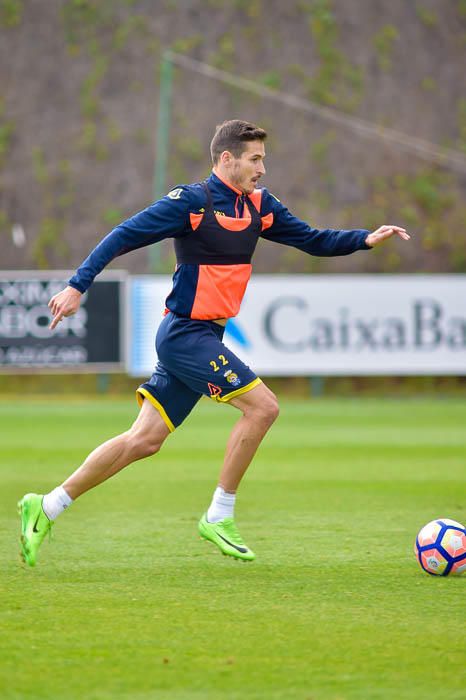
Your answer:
<point x="234" y="330"/>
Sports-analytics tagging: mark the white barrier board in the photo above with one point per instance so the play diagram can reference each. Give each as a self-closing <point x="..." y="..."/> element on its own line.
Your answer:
<point x="328" y="324"/>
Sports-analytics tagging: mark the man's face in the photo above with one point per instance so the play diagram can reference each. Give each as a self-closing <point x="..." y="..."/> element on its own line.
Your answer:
<point x="245" y="171"/>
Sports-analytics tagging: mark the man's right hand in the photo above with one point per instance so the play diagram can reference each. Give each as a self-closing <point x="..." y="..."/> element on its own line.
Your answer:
<point x="63" y="304"/>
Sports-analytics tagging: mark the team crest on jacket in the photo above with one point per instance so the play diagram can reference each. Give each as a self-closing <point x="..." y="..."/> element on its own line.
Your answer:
<point x="232" y="378"/>
<point x="176" y="193"/>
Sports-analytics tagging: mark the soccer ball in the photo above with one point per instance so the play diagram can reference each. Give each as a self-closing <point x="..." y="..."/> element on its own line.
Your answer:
<point x="440" y="547"/>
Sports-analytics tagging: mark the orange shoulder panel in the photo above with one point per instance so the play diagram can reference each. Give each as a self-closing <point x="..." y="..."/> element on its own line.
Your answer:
<point x="195" y="220"/>
<point x="256" y="199"/>
<point x="267" y="221"/>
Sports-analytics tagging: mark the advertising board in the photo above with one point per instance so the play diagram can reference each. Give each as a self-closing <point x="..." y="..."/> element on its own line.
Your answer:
<point x="329" y="324"/>
<point x="91" y="340"/>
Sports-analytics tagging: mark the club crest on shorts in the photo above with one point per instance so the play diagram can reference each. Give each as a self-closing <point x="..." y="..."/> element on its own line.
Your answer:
<point x="232" y="378"/>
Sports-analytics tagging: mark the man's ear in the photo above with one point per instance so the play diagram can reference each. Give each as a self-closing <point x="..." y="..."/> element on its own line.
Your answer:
<point x="226" y="158"/>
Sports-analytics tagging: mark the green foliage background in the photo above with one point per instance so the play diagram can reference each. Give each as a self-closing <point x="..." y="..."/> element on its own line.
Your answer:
<point x="78" y="115"/>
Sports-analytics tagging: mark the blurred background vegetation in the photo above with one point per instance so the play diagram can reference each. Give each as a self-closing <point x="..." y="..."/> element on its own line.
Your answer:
<point x="79" y="90"/>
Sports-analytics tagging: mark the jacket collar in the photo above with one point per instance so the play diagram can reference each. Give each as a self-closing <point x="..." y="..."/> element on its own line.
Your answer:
<point x="217" y="180"/>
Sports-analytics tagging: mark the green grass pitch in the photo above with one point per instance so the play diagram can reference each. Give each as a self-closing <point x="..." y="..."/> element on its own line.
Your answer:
<point x="127" y="603"/>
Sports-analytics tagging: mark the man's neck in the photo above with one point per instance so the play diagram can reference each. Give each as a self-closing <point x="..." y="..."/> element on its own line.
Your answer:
<point x="224" y="178"/>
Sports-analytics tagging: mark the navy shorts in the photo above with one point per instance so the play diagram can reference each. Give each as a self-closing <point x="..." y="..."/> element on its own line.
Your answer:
<point x="193" y="362"/>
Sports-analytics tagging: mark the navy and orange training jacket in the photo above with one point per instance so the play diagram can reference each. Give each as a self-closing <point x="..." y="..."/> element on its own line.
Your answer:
<point x="206" y="285"/>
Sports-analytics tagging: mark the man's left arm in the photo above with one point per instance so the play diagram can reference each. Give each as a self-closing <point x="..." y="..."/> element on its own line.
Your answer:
<point x="289" y="230"/>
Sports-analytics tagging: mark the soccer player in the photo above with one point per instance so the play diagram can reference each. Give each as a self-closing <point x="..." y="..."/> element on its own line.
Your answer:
<point x="215" y="225"/>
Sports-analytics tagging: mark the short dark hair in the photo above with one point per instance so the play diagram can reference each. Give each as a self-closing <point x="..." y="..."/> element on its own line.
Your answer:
<point x="232" y="135"/>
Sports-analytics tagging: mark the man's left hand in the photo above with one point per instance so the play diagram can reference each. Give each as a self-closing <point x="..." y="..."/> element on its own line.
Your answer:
<point x="385" y="232"/>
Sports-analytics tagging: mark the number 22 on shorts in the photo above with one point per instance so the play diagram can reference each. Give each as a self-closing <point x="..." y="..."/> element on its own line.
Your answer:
<point x="214" y="364"/>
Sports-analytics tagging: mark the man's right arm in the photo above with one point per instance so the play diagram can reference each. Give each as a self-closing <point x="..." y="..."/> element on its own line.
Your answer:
<point x="166" y="218"/>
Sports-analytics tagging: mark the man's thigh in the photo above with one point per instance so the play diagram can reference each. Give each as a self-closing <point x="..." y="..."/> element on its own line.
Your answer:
<point x="259" y="398"/>
<point x="173" y="399"/>
<point x="150" y="423"/>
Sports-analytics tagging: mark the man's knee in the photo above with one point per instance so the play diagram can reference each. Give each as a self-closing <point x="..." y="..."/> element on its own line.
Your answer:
<point x="272" y="408"/>
<point x="260" y="404"/>
<point x="147" y="434"/>
<point x="267" y="410"/>
<point x="143" y="444"/>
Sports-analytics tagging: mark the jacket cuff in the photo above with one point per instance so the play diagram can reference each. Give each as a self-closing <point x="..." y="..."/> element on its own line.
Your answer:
<point x="76" y="285"/>
<point x="364" y="245"/>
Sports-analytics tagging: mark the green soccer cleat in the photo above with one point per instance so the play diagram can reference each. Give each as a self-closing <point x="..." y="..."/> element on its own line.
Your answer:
<point x="227" y="538"/>
<point x="34" y="526"/>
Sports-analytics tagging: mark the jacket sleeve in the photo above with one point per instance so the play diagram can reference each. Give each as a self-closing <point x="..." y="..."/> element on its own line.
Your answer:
<point x="166" y="218"/>
<point x="290" y="230"/>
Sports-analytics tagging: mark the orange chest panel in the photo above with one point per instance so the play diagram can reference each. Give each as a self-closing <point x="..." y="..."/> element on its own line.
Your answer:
<point x="214" y="261"/>
<point x="220" y="290"/>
